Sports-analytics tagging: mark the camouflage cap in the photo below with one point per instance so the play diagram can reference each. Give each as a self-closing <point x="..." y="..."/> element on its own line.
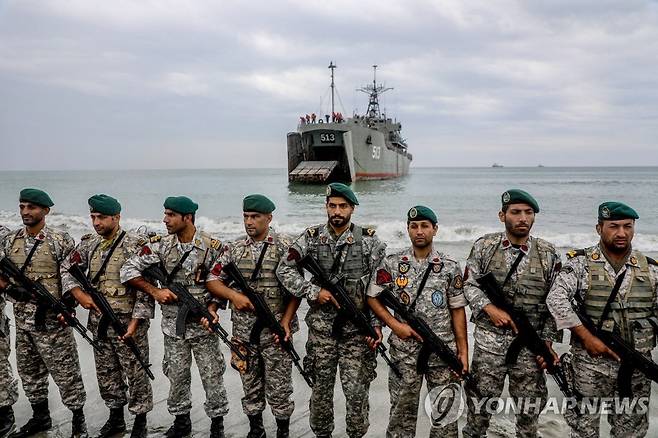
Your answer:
<point x="614" y="211"/>
<point x="420" y="213"/>
<point x="517" y="196"/>
<point x="104" y="204"/>
<point x="35" y="196"/>
<point x="181" y="204"/>
<point x="340" y="189"/>
<point x="258" y="203"/>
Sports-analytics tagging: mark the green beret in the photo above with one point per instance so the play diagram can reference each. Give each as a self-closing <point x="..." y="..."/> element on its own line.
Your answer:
<point x="516" y="196"/>
<point x="104" y="204"/>
<point x="258" y="203"/>
<point x="420" y="213"/>
<point x="340" y="189"/>
<point x="614" y="211"/>
<point x="181" y="204"/>
<point x="36" y="196"/>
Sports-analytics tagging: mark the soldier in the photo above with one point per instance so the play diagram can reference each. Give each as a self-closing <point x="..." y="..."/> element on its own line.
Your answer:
<point x="102" y="255"/>
<point x="267" y="372"/>
<point x="8" y="384"/>
<point x="430" y="284"/>
<point x="524" y="267"/>
<point x="340" y="247"/>
<point x="187" y="255"/>
<point x="590" y="274"/>
<point x="48" y="348"/>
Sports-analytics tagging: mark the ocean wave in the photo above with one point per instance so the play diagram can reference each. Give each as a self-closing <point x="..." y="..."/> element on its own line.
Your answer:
<point x="392" y="232"/>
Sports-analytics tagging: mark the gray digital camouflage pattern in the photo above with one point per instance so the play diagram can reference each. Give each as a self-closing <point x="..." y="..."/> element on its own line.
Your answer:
<point x="443" y="291"/>
<point x="50" y="349"/>
<point x="597" y="377"/>
<point x="178" y="350"/>
<point x="324" y="354"/>
<point x="268" y="373"/>
<point x="491" y="343"/>
<point x="8" y="383"/>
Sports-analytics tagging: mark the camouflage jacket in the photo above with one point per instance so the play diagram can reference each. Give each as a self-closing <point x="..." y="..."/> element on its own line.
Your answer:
<point x="203" y="255"/>
<point x="488" y="337"/>
<point x="56" y="245"/>
<point x="574" y="279"/>
<point x="90" y="244"/>
<point x="321" y="317"/>
<point x="443" y="291"/>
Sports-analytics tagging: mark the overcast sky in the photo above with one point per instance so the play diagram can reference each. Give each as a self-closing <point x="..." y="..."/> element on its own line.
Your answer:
<point x="209" y="83"/>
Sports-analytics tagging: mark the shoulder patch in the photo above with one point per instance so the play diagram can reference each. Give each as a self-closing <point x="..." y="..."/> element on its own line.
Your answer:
<point x="369" y="232"/>
<point x="155" y="239"/>
<point x="215" y="244"/>
<point x="652" y="261"/>
<point x="575" y="252"/>
<point x="312" y="232"/>
<point x="86" y="236"/>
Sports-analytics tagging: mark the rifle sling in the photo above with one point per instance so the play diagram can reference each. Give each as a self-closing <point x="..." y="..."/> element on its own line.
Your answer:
<point x="512" y="269"/>
<point x="101" y="271"/>
<point x="421" y="286"/>
<point x="259" y="263"/>
<point x="30" y="255"/>
<point x="611" y="298"/>
<point x="179" y="265"/>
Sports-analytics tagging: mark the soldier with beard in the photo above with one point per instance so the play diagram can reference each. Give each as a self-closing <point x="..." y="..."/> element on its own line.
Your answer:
<point x="524" y="267"/>
<point x="341" y="248"/>
<point x="48" y="348"/>
<point x="590" y="274"/>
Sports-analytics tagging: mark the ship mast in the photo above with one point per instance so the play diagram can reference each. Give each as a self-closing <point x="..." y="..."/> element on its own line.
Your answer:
<point x="374" y="91"/>
<point x="332" y="66"/>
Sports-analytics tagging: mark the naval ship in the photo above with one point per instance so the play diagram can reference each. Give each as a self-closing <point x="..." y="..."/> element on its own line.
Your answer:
<point x="331" y="148"/>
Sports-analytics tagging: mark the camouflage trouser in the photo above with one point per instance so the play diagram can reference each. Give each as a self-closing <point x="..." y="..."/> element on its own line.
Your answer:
<point x="54" y="351"/>
<point x="526" y="381"/>
<point x="405" y="394"/>
<point x="176" y="365"/>
<point x="356" y="363"/>
<point x="598" y="378"/>
<point x="268" y="376"/>
<point x="118" y="371"/>
<point x="8" y="384"/>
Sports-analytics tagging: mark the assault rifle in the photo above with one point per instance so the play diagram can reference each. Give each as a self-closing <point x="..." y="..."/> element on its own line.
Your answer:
<point x="431" y="344"/>
<point x="348" y="310"/>
<point x="187" y="305"/>
<point x="264" y="318"/>
<point x="527" y="335"/>
<point x="108" y="317"/>
<point x="631" y="359"/>
<point x="45" y="300"/>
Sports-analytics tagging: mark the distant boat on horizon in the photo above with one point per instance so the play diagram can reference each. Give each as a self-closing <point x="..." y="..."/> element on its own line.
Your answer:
<point x="497" y="165"/>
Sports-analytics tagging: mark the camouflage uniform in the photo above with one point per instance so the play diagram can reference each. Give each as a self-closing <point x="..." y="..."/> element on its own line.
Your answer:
<point x="443" y="291"/>
<point x="527" y="289"/>
<point x="589" y="274"/>
<point x="268" y="371"/>
<point x="363" y="253"/>
<point x="50" y="349"/>
<point x="8" y="384"/>
<point x="117" y="370"/>
<point x="178" y="350"/>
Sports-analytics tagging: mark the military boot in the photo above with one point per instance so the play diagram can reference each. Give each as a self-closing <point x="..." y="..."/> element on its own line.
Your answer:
<point x="140" y="429"/>
<point x="217" y="427"/>
<point x="182" y="427"/>
<point x="256" y="428"/>
<point x="78" y="424"/>
<point x="7" y="421"/>
<point x="39" y="422"/>
<point x="282" y="427"/>
<point x="115" y="424"/>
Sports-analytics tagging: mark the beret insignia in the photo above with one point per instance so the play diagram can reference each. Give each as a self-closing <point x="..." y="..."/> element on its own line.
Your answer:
<point x="605" y="212"/>
<point x="413" y="213"/>
<point x="506" y="197"/>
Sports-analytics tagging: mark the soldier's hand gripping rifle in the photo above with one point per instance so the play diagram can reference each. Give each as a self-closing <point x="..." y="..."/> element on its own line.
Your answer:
<point x="45" y="300"/>
<point x="631" y="359"/>
<point x="348" y="310"/>
<point x="431" y="344"/>
<point x="527" y="336"/>
<point x="109" y="318"/>
<point x="264" y="318"/>
<point x="187" y="305"/>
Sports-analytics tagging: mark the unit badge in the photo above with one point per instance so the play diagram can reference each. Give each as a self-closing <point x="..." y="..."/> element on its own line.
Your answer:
<point x="405" y="298"/>
<point x="438" y="299"/>
<point x="401" y="281"/>
<point x="403" y="267"/>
